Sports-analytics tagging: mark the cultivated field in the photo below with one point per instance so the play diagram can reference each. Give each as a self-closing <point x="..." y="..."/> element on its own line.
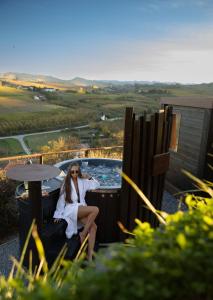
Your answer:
<point x="21" y="114"/>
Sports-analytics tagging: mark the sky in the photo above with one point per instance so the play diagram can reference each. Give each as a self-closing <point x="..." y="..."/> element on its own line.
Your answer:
<point x="149" y="40"/>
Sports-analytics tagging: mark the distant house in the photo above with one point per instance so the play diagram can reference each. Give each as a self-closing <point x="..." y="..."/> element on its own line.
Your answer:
<point x="49" y="90"/>
<point x="103" y="118"/>
<point x="36" y="98"/>
<point x="39" y="97"/>
<point x="82" y="90"/>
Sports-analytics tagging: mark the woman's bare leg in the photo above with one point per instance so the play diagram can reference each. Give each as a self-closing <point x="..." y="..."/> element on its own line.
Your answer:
<point x="89" y="213"/>
<point x="91" y="239"/>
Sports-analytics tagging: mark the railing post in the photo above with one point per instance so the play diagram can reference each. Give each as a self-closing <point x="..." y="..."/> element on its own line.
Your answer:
<point x="41" y="160"/>
<point x="86" y="153"/>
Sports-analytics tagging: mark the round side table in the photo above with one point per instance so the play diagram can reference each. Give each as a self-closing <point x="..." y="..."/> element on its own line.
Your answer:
<point x="34" y="174"/>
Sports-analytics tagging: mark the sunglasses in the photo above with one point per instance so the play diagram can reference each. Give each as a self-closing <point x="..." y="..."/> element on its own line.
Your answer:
<point x="74" y="171"/>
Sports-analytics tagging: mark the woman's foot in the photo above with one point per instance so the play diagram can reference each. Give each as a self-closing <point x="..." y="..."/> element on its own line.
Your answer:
<point x="89" y="257"/>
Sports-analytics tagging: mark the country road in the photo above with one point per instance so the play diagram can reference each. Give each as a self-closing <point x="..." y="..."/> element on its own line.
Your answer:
<point x="21" y="137"/>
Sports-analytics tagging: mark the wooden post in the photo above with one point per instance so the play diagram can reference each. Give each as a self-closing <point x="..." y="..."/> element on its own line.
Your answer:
<point x="41" y="160"/>
<point x="159" y="117"/>
<point x="135" y="175"/>
<point x="142" y="165"/>
<point x="127" y="161"/>
<point x="86" y="153"/>
<point x="35" y="202"/>
<point x="150" y="141"/>
<point x="208" y="173"/>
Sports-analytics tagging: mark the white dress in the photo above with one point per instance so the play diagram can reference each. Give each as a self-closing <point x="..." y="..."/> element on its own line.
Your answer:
<point x="69" y="211"/>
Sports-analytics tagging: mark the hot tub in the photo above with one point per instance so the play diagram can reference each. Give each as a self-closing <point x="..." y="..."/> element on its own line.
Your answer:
<point x="105" y="170"/>
<point x="107" y="197"/>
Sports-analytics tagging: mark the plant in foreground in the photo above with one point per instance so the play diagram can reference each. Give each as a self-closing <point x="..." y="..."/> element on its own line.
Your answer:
<point x="174" y="261"/>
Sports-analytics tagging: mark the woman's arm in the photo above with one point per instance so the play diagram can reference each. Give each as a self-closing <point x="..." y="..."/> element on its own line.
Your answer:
<point x="58" y="214"/>
<point x="91" y="184"/>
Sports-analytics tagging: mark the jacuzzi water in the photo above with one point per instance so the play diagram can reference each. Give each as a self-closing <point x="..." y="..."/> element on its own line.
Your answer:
<point x="106" y="171"/>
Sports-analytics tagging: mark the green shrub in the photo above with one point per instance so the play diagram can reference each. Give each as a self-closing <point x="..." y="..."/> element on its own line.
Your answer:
<point x="8" y="206"/>
<point x="172" y="262"/>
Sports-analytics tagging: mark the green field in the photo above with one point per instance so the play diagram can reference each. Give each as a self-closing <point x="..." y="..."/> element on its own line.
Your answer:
<point x="111" y="104"/>
<point x="83" y="135"/>
<point x="35" y="142"/>
<point x="10" y="147"/>
<point x="13" y="101"/>
<point x="21" y="114"/>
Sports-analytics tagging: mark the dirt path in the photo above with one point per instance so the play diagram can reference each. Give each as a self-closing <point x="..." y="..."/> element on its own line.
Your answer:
<point x="21" y="137"/>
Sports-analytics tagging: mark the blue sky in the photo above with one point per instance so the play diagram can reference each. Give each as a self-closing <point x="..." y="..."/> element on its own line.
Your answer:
<point x="163" y="40"/>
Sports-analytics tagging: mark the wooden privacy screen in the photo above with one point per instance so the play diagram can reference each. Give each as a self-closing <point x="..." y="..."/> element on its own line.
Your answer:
<point x="145" y="161"/>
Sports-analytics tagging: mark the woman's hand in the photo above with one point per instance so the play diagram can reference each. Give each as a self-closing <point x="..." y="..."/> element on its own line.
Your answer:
<point x="57" y="220"/>
<point x="86" y="176"/>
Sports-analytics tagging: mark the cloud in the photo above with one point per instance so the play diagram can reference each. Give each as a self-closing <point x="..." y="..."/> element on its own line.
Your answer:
<point x="156" y="5"/>
<point x="184" y="56"/>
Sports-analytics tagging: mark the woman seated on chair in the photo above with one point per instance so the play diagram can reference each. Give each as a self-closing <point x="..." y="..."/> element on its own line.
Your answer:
<point x="71" y="206"/>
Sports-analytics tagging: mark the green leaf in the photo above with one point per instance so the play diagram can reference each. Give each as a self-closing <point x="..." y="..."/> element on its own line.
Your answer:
<point x="181" y="240"/>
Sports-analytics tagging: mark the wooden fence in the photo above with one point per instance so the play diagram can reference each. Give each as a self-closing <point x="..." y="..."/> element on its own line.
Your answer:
<point x="145" y="161"/>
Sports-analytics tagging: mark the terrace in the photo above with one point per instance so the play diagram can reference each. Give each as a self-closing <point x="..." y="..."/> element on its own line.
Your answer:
<point x="145" y="157"/>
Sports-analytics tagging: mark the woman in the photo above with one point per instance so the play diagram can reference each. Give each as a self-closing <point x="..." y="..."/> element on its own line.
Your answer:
<point x="72" y="207"/>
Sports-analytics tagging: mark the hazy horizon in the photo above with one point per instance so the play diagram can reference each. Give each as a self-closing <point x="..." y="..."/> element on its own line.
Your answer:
<point x="156" y="40"/>
<point x="108" y="79"/>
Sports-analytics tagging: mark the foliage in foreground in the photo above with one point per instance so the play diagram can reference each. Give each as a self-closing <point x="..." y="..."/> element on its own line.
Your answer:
<point x="174" y="261"/>
<point x="8" y="207"/>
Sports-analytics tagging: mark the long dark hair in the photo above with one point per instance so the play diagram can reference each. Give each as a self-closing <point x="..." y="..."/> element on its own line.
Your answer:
<point x="67" y="182"/>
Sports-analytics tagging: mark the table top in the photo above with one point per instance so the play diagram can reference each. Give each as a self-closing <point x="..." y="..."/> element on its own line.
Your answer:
<point x="34" y="172"/>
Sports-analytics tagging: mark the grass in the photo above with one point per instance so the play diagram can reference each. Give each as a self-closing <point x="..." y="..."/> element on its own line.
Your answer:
<point x="85" y="135"/>
<point x="9" y="147"/>
<point x="13" y="101"/>
<point x="38" y="84"/>
<point x="35" y="142"/>
<point x="19" y="113"/>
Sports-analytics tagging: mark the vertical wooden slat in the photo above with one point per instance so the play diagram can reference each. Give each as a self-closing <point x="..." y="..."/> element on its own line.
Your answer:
<point x="142" y="166"/>
<point x="149" y="157"/>
<point x="169" y="127"/>
<point x="135" y="175"/>
<point x="159" y="118"/>
<point x="161" y="178"/>
<point x="208" y="173"/>
<point x="127" y="159"/>
<point x="166" y="137"/>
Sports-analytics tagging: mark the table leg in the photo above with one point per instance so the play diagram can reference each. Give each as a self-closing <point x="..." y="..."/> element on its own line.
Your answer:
<point x="35" y="196"/>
